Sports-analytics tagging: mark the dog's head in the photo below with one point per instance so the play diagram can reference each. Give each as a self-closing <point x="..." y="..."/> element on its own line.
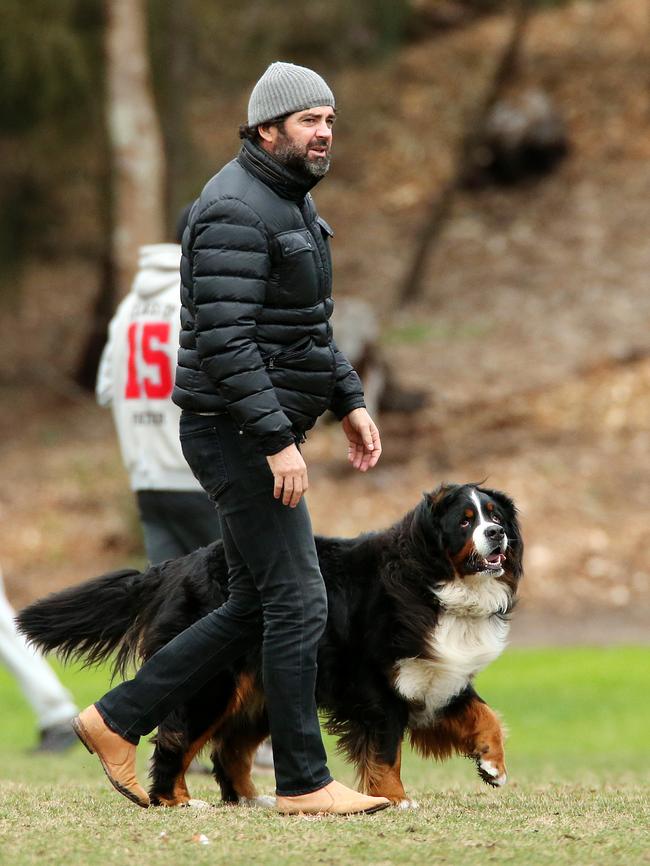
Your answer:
<point x="472" y="530"/>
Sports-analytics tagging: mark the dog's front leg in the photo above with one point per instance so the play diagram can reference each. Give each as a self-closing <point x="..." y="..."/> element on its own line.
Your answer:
<point x="377" y="752"/>
<point x="470" y="728"/>
<point x="484" y="739"/>
<point x="382" y="778"/>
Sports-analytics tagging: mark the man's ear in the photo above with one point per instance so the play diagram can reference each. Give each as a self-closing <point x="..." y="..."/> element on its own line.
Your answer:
<point x="264" y="130"/>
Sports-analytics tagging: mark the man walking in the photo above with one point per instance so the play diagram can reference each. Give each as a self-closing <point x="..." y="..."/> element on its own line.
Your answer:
<point x="257" y="365"/>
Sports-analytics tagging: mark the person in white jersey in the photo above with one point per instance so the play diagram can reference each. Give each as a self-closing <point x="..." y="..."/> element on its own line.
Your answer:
<point x="135" y="378"/>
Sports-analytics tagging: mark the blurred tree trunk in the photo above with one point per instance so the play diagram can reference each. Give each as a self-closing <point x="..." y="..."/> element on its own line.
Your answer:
<point x="440" y="207"/>
<point x="131" y="188"/>
<point x="135" y="137"/>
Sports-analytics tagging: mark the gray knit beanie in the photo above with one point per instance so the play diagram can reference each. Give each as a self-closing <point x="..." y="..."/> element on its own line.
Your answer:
<point x="285" y="88"/>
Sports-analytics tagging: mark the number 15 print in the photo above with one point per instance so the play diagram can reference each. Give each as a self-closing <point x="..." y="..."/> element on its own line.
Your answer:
<point x="149" y="362"/>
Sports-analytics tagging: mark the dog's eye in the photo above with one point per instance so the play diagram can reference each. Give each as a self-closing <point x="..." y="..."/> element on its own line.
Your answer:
<point x="495" y="518"/>
<point x="464" y="523"/>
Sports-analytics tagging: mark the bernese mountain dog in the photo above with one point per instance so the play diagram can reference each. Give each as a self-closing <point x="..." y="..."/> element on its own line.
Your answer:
<point x="415" y="612"/>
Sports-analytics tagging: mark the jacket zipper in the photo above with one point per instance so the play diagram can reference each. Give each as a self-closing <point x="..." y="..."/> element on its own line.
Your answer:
<point x="303" y="345"/>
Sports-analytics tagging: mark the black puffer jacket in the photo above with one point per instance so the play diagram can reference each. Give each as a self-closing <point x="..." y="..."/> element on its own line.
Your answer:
<point x="256" y="301"/>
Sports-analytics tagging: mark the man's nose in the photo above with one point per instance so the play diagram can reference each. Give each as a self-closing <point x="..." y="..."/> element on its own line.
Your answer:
<point x="324" y="131"/>
<point x="494" y="533"/>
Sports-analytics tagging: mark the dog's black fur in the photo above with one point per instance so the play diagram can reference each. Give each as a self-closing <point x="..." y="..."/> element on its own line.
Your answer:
<point x="382" y="608"/>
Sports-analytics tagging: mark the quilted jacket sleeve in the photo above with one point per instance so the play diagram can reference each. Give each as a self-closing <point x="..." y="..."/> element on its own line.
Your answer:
<point x="348" y="390"/>
<point x="230" y="268"/>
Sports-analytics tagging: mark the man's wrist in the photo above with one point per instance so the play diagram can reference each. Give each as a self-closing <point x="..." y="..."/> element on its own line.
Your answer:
<point x="277" y="444"/>
<point x="345" y="409"/>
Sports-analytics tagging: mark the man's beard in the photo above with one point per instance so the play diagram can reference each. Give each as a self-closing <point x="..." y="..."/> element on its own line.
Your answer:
<point x="295" y="156"/>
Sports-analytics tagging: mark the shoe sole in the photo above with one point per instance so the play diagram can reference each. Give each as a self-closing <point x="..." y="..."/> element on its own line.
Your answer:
<point x="81" y="732"/>
<point x="369" y="811"/>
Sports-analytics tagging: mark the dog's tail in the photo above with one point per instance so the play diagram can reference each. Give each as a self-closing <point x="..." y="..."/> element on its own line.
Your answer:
<point x="90" y="621"/>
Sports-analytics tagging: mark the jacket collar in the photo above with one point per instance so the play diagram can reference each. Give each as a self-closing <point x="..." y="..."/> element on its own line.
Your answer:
<point x="286" y="182"/>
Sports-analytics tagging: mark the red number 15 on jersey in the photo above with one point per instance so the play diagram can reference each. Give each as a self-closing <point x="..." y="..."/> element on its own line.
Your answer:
<point x="150" y="368"/>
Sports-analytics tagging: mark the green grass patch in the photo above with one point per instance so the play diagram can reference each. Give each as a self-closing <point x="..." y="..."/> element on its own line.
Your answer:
<point x="413" y="333"/>
<point x="578" y="794"/>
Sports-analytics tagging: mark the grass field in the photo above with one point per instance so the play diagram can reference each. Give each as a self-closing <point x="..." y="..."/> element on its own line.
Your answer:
<point x="579" y="791"/>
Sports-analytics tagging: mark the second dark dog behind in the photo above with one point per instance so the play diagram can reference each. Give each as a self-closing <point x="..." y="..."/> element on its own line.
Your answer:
<point x="415" y="612"/>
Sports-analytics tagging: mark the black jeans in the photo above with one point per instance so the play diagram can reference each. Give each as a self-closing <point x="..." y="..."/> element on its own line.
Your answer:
<point x="176" y="522"/>
<point x="276" y="588"/>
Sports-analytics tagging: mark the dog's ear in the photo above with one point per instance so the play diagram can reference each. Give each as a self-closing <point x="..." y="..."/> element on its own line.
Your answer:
<point x="436" y="498"/>
<point x="426" y="533"/>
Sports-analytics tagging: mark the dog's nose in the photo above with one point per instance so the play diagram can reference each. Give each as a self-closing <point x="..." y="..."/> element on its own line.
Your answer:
<point x="494" y="533"/>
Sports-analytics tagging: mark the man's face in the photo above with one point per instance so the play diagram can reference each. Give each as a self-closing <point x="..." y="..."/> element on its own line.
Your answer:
<point x="305" y="140"/>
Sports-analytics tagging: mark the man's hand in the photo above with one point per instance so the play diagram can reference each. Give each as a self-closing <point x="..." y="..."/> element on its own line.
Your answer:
<point x="364" y="448"/>
<point x="289" y="475"/>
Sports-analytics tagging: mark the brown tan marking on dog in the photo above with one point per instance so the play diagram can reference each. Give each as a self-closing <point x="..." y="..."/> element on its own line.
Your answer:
<point x="383" y="780"/>
<point x="475" y="732"/>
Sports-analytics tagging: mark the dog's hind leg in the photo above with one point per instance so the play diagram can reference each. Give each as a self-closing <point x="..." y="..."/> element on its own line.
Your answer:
<point x="470" y="728"/>
<point x="171" y="759"/>
<point x="214" y="713"/>
<point x="235" y="745"/>
<point x="181" y="736"/>
<point x="167" y="776"/>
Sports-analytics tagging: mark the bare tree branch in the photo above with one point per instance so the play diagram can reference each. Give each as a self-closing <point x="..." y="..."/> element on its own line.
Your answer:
<point x="441" y="206"/>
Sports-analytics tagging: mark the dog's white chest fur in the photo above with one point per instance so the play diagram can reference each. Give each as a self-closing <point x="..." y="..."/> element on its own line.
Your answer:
<point x="467" y="638"/>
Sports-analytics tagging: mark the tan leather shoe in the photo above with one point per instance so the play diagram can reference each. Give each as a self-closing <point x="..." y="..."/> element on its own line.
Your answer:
<point x="333" y="799"/>
<point x="116" y="754"/>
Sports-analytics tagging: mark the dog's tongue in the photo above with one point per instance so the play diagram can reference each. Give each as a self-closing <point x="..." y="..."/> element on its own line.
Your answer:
<point x="496" y="558"/>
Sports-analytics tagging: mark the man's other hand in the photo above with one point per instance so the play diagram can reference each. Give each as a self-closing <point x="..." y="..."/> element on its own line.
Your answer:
<point x="364" y="444"/>
<point x="289" y="475"/>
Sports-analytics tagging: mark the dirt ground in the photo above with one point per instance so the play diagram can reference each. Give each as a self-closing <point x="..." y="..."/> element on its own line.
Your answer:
<point x="531" y="342"/>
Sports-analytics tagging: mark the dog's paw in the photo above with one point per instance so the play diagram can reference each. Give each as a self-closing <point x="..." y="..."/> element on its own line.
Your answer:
<point x="196" y="804"/>
<point x="407" y="804"/>
<point x="261" y="802"/>
<point x="491" y="774"/>
<point x="177" y="803"/>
